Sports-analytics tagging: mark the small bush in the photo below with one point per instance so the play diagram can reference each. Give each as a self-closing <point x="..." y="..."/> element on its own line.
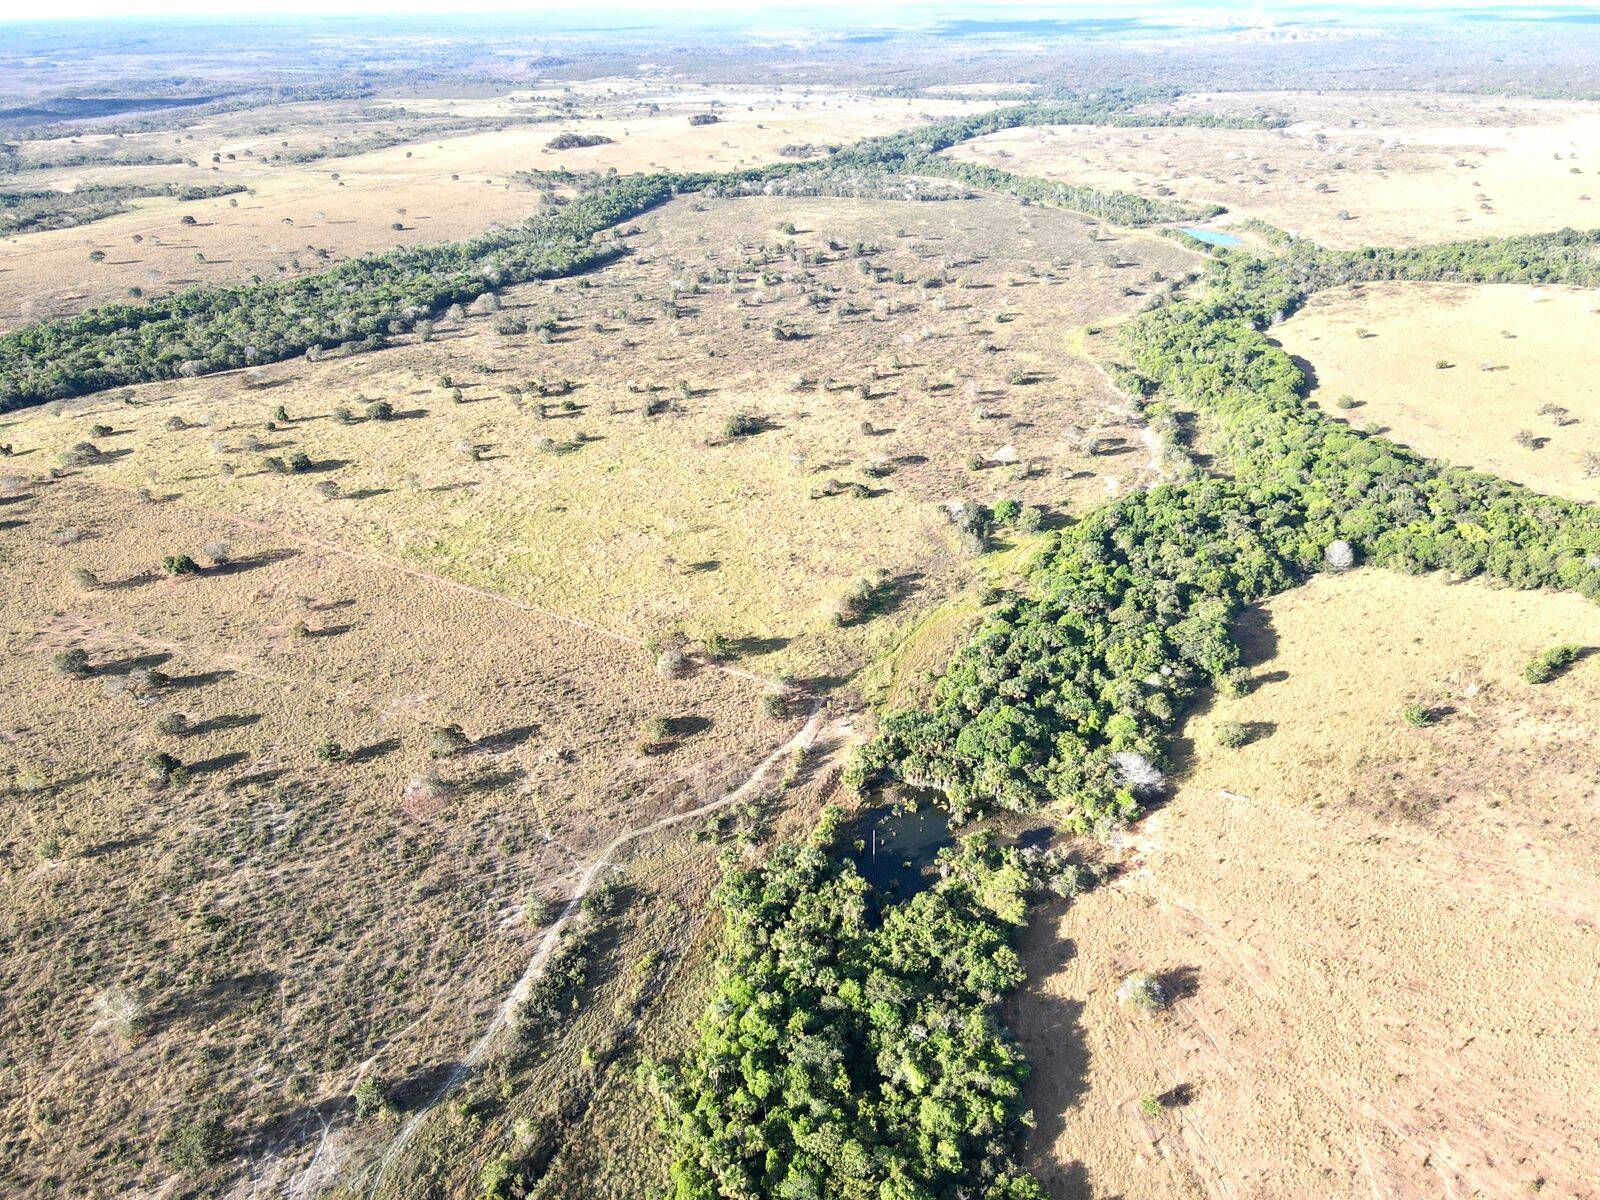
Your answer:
<point x="447" y="741"/>
<point x="1551" y="663"/>
<point x="179" y="564"/>
<point x="173" y="724"/>
<point x="1232" y="734"/>
<point x="741" y="425"/>
<point x="1416" y="716"/>
<point x="164" y="769"/>
<point x="72" y="662"/>
<point x="330" y="751"/>
<point x="371" y="1098"/>
<point x="1143" y="991"/>
<point x="195" y="1145"/>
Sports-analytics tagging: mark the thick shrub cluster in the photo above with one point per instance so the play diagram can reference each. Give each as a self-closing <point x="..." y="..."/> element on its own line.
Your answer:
<point x="1130" y="614"/>
<point x="844" y="1057"/>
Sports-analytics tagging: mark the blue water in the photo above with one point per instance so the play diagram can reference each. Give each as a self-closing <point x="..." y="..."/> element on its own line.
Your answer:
<point x="1213" y="237"/>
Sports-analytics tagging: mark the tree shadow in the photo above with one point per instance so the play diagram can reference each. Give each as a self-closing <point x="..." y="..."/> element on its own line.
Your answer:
<point x="747" y="646"/>
<point x="222" y="724"/>
<point x="374" y="751"/>
<point x="126" y="666"/>
<point x="1180" y="983"/>
<point x="328" y="631"/>
<point x="506" y="739"/>
<point x="265" y="558"/>
<point x="219" y="762"/>
<point x="200" y="678"/>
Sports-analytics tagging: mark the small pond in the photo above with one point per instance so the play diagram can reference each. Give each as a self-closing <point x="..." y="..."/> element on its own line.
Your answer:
<point x="1214" y="237"/>
<point x="897" y="848"/>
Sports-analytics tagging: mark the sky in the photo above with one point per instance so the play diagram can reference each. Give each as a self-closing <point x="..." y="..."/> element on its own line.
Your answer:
<point x="858" y="11"/>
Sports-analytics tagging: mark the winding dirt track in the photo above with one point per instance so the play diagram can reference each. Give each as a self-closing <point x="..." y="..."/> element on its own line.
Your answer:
<point x="802" y="740"/>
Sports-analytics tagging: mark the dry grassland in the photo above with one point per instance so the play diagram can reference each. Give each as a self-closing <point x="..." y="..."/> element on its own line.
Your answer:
<point x="1459" y="371"/>
<point x="1403" y="170"/>
<point x="1380" y="939"/>
<point x="300" y="218"/>
<point x="650" y="524"/>
<point x="254" y="939"/>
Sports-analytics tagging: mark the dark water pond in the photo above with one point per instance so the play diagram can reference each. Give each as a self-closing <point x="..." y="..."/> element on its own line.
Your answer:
<point x="897" y="848"/>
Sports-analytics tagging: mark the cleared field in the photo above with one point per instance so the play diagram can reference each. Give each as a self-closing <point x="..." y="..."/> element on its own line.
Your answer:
<point x="299" y="218"/>
<point x="1380" y="940"/>
<point x="322" y="896"/>
<point x="1355" y="170"/>
<point x="578" y="499"/>
<point x="1492" y="377"/>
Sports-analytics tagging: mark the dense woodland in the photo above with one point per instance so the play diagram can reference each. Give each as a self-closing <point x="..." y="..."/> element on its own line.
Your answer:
<point x="855" y="1053"/>
<point x="1066" y="696"/>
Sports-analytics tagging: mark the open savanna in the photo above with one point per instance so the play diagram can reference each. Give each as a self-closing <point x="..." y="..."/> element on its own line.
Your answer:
<point x="327" y="891"/>
<point x="1379" y="939"/>
<point x="299" y="218"/>
<point x="1493" y="377"/>
<point x="1349" y="170"/>
<point x="887" y="399"/>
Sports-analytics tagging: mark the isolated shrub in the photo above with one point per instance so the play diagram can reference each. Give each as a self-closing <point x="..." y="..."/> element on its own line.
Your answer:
<point x="149" y="679"/>
<point x="179" y="564"/>
<point x="195" y="1145"/>
<point x="1143" y="991"/>
<point x="1416" y="716"/>
<point x="510" y="326"/>
<point x="371" y="1098"/>
<point x="672" y="662"/>
<point x="1551" y="663"/>
<point x="446" y="741"/>
<point x="164" y="768"/>
<point x="219" y="553"/>
<point x="741" y="425"/>
<point x="380" y="410"/>
<point x="72" y="662"/>
<point x="172" y="724"/>
<point x="330" y="751"/>
<point x="85" y="578"/>
<point x="1232" y="734"/>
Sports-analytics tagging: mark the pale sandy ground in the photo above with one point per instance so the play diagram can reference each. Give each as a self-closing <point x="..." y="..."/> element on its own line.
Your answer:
<point x="1408" y="170"/>
<point x="1383" y="940"/>
<point x="436" y="189"/>
<point x="1513" y="350"/>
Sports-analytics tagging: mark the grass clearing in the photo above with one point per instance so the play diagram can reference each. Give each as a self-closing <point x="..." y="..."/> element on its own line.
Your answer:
<point x="1462" y="372"/>
<point x="1331" y="913"/>
<point x="642" y="524"/>
<point x="1349" y="170"/>
<point x="250" y="941"/>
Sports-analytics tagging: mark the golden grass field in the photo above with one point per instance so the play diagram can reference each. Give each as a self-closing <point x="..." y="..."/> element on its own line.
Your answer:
<point x="1381" y="939"/>
<point x="1511" y="351"/>
<point x="644" y="525"/>
<point x="1407" y="170"/>
<point x="263" y="934"/>
<point x="300" y="218"/>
